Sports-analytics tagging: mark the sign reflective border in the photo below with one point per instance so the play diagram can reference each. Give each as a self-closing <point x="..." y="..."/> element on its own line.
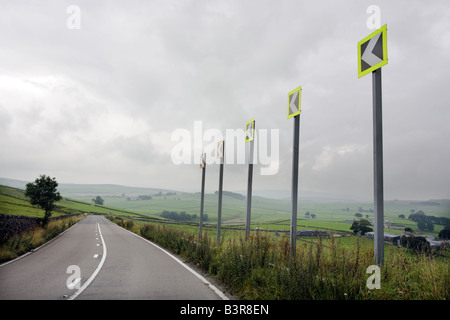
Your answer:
<point x="372" y="52"/>
<point x="294" y="101"/>
<point x="249" y="130"/>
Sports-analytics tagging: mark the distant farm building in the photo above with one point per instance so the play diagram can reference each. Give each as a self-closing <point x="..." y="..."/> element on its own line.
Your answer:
<point x="395" y="239"/>
<point x="393" y="226"/>
<point x="392" y="238"/>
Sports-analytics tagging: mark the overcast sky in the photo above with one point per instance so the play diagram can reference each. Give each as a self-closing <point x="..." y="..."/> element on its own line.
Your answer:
<point x="100" y="103"/>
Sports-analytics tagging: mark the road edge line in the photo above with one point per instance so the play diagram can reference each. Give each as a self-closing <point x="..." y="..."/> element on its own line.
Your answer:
<point x="195" y="273"/>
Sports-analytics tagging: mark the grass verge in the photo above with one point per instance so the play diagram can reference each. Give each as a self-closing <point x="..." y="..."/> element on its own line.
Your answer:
<point x="26" y="241"/>
<point x="261" y="267"/>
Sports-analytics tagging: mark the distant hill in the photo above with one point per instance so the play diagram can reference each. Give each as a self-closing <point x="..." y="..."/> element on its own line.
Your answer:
<point x="302" y="194"/>
<point x="111" y="190"/>
<point x="237" y="196"/>
<point x="80" y="190"/>
<point x="13" y="183"/>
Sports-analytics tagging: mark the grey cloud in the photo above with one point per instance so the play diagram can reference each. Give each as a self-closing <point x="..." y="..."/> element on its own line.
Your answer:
<point x="138" y="71"/>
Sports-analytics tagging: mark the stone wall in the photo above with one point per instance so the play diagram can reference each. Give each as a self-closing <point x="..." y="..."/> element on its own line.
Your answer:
<point x="11" y="225"/>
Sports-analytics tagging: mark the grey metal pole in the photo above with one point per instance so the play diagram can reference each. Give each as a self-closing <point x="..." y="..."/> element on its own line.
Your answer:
<point x="219" y="212"/>
<point x="294" y="189"/>
<point x="201" y="202"/>
<point x="249" y="191"/>
<point x="378" y="168"/>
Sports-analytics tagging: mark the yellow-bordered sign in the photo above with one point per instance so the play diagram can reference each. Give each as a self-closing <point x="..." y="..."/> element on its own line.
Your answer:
<point x="372" y="52"/>
<point x="203" y="160"/>
<point x="294" y="102"/>
<point x="249" y="130"/>
<point x="220" y="149"/>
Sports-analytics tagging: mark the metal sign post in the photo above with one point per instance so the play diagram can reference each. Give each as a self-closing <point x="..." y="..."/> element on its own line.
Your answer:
<point x="294" y="98"/>
<point x="378" y="168"/>
<point x="249" y="137"/>
<point x="221" y="155"/>
<point x="203" y="167"/>
<point x="372" y="55"/>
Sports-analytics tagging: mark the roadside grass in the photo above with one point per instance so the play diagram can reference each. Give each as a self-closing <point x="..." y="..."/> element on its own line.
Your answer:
<point x="262" y="266"/>
<point x="26" y="241"/>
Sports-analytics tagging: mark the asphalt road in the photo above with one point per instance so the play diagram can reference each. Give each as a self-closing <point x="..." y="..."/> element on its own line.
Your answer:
<point x="96" y="259"/>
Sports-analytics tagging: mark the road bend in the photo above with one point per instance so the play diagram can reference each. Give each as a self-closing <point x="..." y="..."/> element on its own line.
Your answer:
<point x="98" y="260"/>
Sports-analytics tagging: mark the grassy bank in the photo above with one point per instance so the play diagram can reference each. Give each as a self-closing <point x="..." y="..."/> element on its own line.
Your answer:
<point x="29" y="240"/>
<point x="261" y="267"/>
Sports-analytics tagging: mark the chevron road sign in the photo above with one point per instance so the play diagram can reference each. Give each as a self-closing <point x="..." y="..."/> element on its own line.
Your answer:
<point x="203" y="160"/>
<point x="372" y="55"/>
<point x="294" y="98"/>
<point x="220" y="149"/>
<point x="249" y="130"/>
<point x="372" y="52"/>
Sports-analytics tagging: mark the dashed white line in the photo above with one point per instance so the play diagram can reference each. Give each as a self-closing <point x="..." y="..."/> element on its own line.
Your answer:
<point x="92" y="277"/>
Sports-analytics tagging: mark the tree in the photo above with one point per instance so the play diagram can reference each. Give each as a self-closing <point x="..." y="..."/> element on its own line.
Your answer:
<point x="44" y="194"/>
<point x="358" y="215"/>
<point x="417" y="244"/>
<point x="444" y="234"/>
<point x="422" y="225"/>
<point x="98" y="200"/>
<point x="361" y="227"/>
<point x="401" y="216"/>
<point x="407" y="229"/>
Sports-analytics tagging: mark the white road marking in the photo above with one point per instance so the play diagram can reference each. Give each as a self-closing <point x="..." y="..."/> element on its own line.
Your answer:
<point x="74" y="283"/>
<point x="95" y="256"/>
<point x="96" y="271"/>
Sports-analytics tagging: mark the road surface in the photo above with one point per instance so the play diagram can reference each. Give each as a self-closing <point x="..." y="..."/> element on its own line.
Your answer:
<point x="96" y="259"/>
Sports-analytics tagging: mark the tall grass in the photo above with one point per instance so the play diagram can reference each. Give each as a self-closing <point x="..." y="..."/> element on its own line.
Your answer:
<point x="31" y="239"/>
<point x="262" y="267"/>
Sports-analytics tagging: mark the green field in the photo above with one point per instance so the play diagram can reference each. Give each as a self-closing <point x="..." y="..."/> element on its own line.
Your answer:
<point x="14" y="202"/>
<point x="275" y="213"/>
<point x="266" y="213"/>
